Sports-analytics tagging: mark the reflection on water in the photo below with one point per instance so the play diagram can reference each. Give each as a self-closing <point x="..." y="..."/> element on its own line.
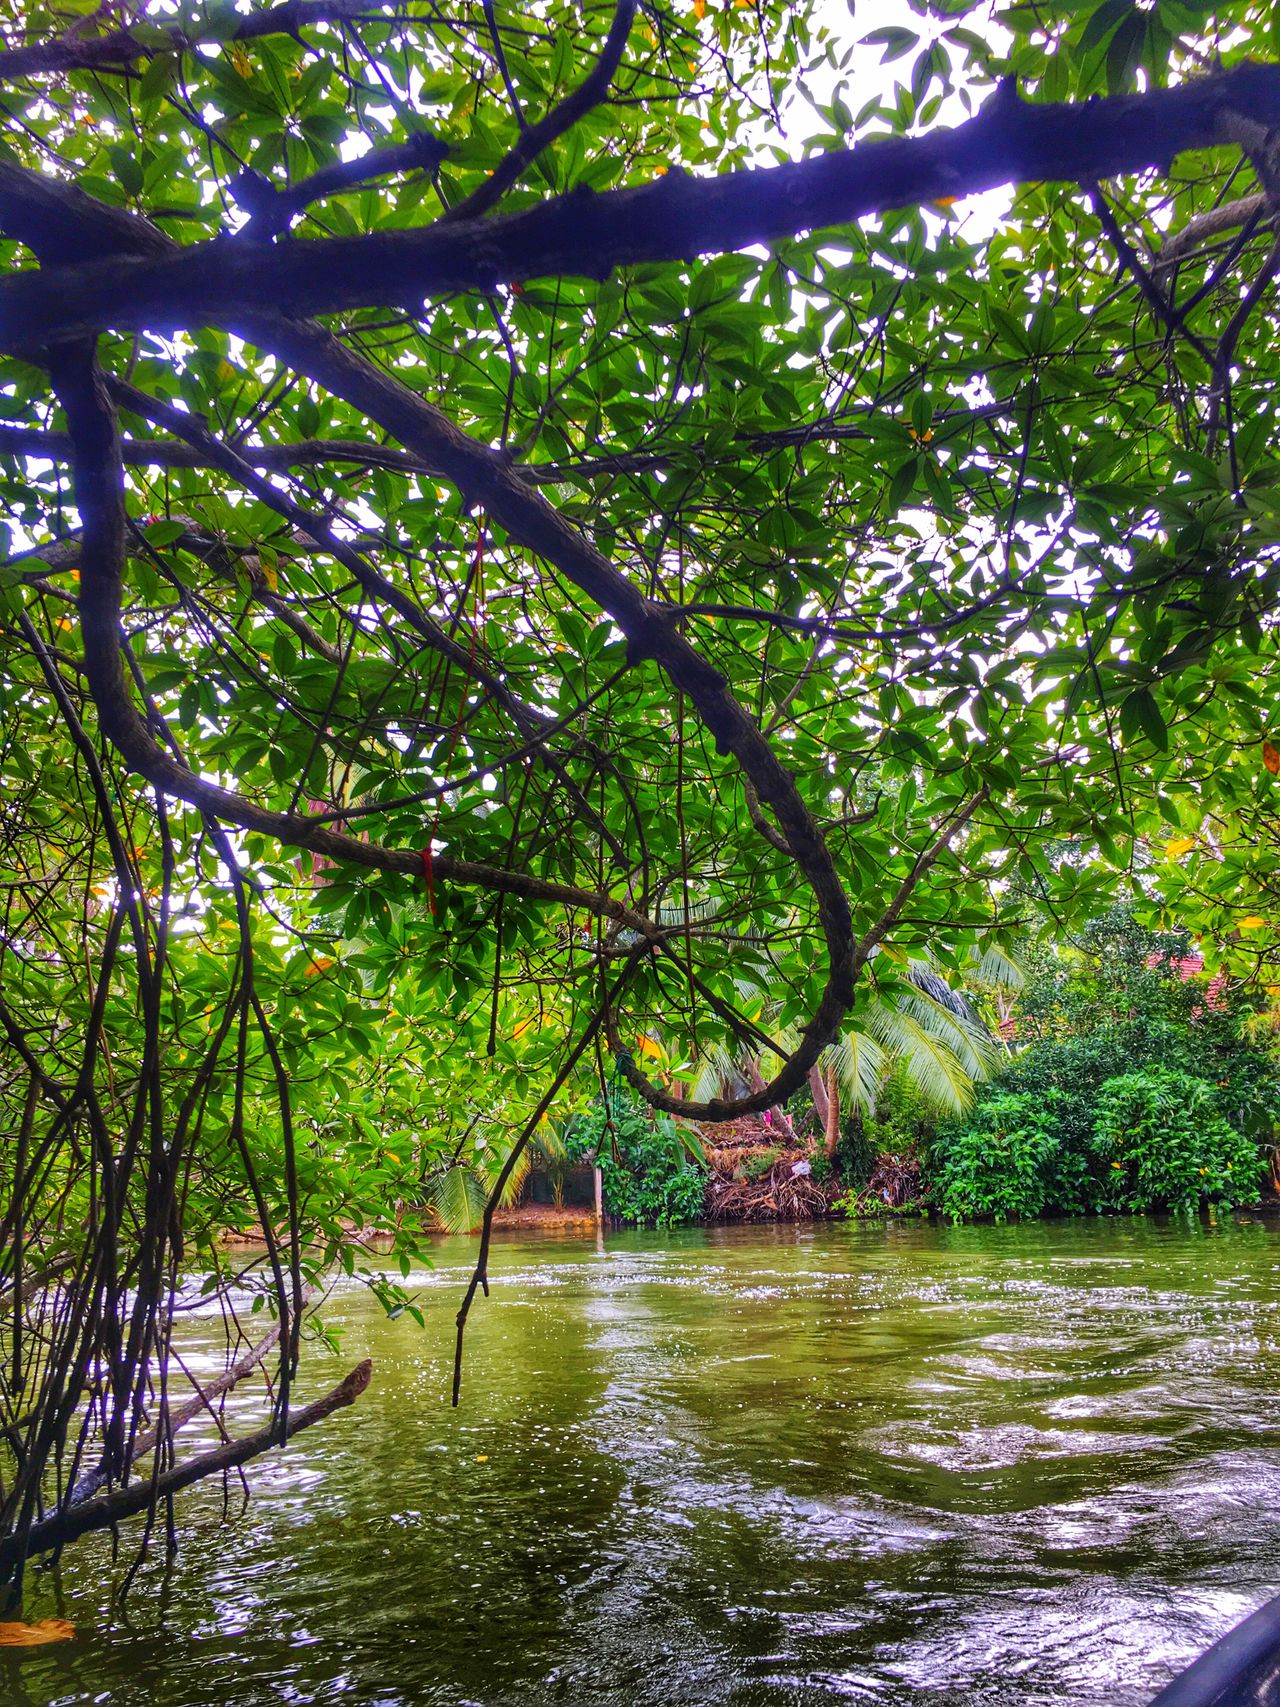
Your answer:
<point x="911" y="1464"/>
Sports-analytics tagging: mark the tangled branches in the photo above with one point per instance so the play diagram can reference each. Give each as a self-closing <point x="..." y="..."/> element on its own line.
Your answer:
<point x="503" y="674"/>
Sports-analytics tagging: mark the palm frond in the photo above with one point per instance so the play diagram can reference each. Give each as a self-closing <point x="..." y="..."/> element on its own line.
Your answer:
<point x="860" y="1063"/>
<point x="456" y="1197"/>
<point x="490" y="1163"/>
<point x="716" y="1071"/>
<point x="700" y="909"/>
<point x="949" y="1016"/>
<point x="549" y="1139"/>
<point x="931" y="1065"/>
<point x="935" y="986"/>
<point x="993" y="968"/>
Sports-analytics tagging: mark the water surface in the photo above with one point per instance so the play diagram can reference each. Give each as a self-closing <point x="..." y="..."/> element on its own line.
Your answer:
<point x="902" y="1465"/>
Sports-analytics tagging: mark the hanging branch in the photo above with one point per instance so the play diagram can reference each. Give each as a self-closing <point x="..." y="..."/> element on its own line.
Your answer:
<point x="108" y="1510"/>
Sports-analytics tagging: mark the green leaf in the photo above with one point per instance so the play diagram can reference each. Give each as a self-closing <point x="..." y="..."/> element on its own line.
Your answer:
<point x="1140" y="715"/>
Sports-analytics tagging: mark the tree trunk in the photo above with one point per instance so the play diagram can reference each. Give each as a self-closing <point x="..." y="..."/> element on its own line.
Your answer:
<point x="832" y="1123"/>
<point x="821" y="1101"/>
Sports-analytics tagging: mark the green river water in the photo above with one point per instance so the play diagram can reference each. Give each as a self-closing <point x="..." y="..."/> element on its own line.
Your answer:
<point x="911" y="1464"/>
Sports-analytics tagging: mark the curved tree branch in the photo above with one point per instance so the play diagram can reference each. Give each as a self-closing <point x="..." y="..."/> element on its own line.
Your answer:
<point x="485" y="479"/>
<point x="537" y="138"/>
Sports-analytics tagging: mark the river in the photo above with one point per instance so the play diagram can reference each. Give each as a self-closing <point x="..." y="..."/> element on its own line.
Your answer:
<point x="898" y="1465"/>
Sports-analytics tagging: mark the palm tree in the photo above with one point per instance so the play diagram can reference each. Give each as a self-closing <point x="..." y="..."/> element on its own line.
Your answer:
<point x="455" y="1196"/>
<point x="917" y="1024"/>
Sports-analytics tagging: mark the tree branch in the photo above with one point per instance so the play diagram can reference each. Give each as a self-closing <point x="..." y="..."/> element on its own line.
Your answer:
<point x="41" y="444"/>
<point x="271" y="209"/>
<point x="1203" y="226"/>
<point x="120" y="49"/>
<point x="486" y="481"/>
<point x="677" y="218"/>
<point x="201" y="1400"/>
<point x="110" y="1509"/>
<point x="536" y="139"/>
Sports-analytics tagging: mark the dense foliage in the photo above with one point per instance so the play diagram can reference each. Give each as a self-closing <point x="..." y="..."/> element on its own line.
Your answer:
<point x="1139" y="1087"/>
<point x="1007" y="1159"/>
<point x="492" y="581"/>
<point x="652" y="1171"/>
<point x="1164" y="1145"/>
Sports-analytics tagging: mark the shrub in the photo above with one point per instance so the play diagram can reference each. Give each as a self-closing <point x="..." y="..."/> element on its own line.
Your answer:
<point x="1120" y="1012"/>
<point x="887" y="1141"/>
<point x="1005" y="1160"/>
<point x="903" y="1118"/>
<point x="1165" y="1145"/>
<point x="649" y="1175"/>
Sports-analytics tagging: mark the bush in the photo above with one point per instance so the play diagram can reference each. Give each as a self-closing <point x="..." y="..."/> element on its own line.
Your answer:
<point x="1005" y="1160"/>
<point x="886" y="1141"/>
<point x="649" y="1174"/>
<point x="1164" y="1145"/>
<point x="1122" y="1004"/>
<point x="1140" y="1089"/>
<point x="902" y="1120"/>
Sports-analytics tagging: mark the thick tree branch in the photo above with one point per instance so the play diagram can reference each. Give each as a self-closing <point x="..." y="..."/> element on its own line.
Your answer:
<point x="526" y="719"/>
<point x="120" y="49"/>
<point x="679" y="218"/>
<point x="486" y="480"/>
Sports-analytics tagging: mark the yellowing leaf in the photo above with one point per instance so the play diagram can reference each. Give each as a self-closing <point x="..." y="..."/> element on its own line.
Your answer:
<point x="648" y="1047"/>
<point x="1271" y="758"/>
<point x="482" y="1457"/>
<point x="35" y="1635"/>
<point x="699" y="9"/>
<point x="240" y="59"/>
<point x="1253" y="922"/>
<point x="946" y="201"/>
<point x="1179" y="845"/>
<point x="225" y="369"/>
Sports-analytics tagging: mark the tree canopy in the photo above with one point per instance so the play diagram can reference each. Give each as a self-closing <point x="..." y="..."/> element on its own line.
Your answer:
<point x="536" y="530"/>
